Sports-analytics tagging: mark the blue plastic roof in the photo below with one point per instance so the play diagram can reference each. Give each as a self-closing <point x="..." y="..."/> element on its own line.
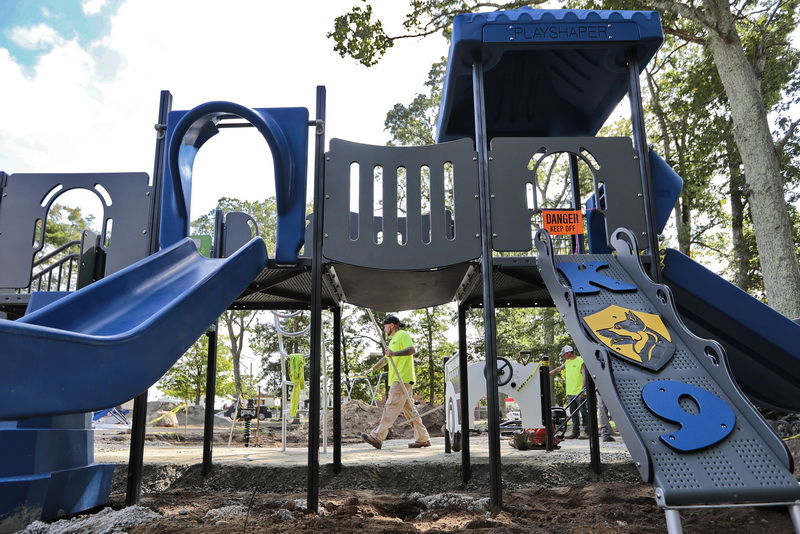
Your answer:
<point x="546" y="72"/>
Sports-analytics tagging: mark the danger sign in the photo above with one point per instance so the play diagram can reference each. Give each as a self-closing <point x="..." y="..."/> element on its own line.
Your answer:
<point x="562" y="222"/>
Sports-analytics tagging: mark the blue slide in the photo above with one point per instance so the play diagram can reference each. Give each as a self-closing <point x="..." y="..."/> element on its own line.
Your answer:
<point x="763" y="346"/>
<point x="107" y="343"/>
<point x="92" y="349"/>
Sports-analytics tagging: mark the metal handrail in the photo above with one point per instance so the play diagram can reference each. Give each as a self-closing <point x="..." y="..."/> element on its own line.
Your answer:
<point x="44" y="277"/>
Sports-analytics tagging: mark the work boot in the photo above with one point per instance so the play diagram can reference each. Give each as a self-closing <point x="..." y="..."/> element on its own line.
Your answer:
<point x="574" y="435"/>
<point x="583" y="435"/>
<point x="419" y="444"/>
<point x="372" y="441"/>
<point x="608" y="438"/>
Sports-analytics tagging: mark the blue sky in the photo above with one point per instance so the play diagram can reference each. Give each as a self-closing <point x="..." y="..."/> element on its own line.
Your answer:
<point x="31" y="28"/>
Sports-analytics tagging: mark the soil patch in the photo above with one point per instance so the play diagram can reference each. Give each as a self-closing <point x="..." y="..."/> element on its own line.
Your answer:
<point x="549" y="497"/>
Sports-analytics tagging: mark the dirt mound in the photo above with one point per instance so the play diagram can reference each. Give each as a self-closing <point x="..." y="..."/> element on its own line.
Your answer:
<point x="600" y="508"/>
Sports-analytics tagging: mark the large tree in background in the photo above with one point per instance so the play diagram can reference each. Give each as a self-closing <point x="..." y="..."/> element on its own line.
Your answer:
<point x="715" y="24"/>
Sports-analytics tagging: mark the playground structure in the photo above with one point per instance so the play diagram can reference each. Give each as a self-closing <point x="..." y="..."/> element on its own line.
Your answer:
<point x="520" y="86"/>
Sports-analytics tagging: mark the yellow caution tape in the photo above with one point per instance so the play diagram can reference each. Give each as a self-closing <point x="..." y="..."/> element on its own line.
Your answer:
<point x="163" y="415"/>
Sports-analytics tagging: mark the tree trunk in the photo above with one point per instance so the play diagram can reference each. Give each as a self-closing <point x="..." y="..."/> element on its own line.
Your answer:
<point x="764" y="184"/>
<point x="431" y="363"/>
<point x="236" y="324"/>
<point x="548" y="326"/>
<point x="741" y="256"/>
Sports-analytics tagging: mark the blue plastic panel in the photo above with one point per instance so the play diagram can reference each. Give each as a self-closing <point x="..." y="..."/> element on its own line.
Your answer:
<point x="286" y="133"/>
<point x="761" y="344"/>
<point x="547" y="72"/>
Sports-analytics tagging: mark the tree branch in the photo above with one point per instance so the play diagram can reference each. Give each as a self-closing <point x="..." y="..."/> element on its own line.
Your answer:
<point x="780" y="145"/>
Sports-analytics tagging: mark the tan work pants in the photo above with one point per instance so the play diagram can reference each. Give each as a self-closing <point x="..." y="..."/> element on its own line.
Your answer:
<point x="396" y="402"/>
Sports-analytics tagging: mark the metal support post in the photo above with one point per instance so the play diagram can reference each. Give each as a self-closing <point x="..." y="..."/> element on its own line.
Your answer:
<point x="463" y="380"/>
<point x="211" y="393"/>
<point x="641" y="148"/>
<point x="337" y="390"/>
<point x="594" y="437"/>
<point x="673" y="521"/>
<point x="136" y="459"/>
<point x="447" y="446"/>
<point x="794" y="511"/>
<point x="578" y="245"/>
<point x="487" y="272"/>
<point x="547" y="402"/>
<point x="316" y="309"/>
<point x="139" y="422"/>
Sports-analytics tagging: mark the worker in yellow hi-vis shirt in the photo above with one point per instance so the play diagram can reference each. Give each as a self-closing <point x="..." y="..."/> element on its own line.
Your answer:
<point x="576" y="382"/>
<point x="401" y="383"/>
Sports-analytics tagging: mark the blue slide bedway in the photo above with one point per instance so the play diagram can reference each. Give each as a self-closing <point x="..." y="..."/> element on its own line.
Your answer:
<point x="761" y="344"/>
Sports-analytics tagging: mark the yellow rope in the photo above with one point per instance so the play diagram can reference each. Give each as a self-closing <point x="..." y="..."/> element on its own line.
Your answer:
<point x="163" y="415"/>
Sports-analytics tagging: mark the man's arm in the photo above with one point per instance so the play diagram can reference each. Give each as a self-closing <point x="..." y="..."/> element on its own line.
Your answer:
<point x="408" y="351"/>
<point x="380" y="363"/>
<point x="403" y="341"/>
<point x="583" y="375"/>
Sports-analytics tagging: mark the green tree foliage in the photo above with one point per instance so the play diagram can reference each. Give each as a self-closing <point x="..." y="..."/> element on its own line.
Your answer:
<point x="187" y="378"/>
<point x="358" y="35"/>
<point x="265" y="213"/>
<point x="236" y="323"/>
<point x="429" y="328"/>
<point x="748" y="45"/>
<point x="65" y="224"/>
<point x="415" y="124"/>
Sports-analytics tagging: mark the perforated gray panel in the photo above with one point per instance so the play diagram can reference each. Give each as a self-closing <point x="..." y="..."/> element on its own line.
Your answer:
<point x="740" y="468"/>
<point x="125" y="198"/>
<point x="393" y="180"/>
<point x="617" y="170"/>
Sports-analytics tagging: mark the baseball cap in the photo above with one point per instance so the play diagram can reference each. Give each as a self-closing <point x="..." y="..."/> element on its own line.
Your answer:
<point x="393" y="320"/>
<point x="565" y="349"/>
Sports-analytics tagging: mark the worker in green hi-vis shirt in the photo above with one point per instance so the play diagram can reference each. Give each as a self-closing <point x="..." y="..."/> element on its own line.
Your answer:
<point x="401" y="384"/>
<point x="576" y="382"/>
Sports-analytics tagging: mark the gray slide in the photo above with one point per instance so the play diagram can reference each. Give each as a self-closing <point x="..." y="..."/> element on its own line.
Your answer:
<point x="689" y="428"/>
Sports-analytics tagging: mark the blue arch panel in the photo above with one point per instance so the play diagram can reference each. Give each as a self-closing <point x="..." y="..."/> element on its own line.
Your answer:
<point x="286" y="133"/>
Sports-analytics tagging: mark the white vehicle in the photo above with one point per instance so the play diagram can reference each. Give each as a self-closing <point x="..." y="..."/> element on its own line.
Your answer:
<point x="514" y="379"/>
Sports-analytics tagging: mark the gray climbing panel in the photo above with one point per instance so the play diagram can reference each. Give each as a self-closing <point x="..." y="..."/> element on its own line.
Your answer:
<point x="27" y="198"/>
<point x="401" y="224"/>
<point x="692" y="433"/>
<point x="389" y="207"/>
<point x="514" y="163"/>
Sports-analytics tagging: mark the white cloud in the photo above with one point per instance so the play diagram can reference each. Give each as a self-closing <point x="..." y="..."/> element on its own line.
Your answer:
<point x="36" y="37"/>
<point x="93" y="7"/>
<point x="96" y="108"/>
